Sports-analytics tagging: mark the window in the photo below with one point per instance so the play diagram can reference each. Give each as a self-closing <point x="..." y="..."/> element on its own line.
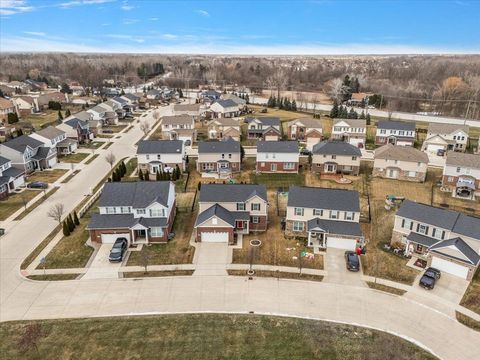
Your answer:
<point x="223" y="156"/>
<point x="438" y="234"/>
<point x="458" y="169"/>
<point x="141" y="211"/>
<point x="158" y="156"/>
<point x="157" y="212"/>
<point x="289" y="166"/>
<point x="214" y="221"/>
<point x="349" y="215"/>
<point x="419" y="248"/>
<point x="412" y="174"/>
<point x="422" y="229"/>
<point x="382" y="131"/>
<point x="255" y="219"/>
<point x="110" y="210"/>
<point x="125" y="209"/>
<point x="156" y="231"/>
<point x="317" y="212"/>
<point x="333" y="214"/>
<point x="298" y="225"/>
<point x="334" y="156"/>
<point x="407" y="224"/>
<point x="229" y="156"/>
<point x="354" y="158"/>
<point x="148" y="157"/>
<point x="299" y="211"/>
<point x="240" y="206"/>
<point x="255" y="207"/>
<point x="450" y="179"/>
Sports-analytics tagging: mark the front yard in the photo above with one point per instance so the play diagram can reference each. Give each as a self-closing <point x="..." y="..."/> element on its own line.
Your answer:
<point x="114" y="128"/>
<point x="471" y="298"/>
<point x="48" y="176"/>
<point x="16" y="201"/>
<point x="73" y="158"/>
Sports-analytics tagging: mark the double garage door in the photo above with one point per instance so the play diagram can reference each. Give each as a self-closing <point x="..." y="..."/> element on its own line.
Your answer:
<point x="433" y="148"/>
<point x="215" y="237"/>
<point x="339" y="243"/>
<point x="450" y="267"/>
<point x="110" y="238"/>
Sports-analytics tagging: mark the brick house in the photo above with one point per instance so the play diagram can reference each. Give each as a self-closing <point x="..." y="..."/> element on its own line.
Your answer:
<point x="461" y="174"/>
<point x="224" y="128"/>
<point x="277" y="157"/>
<point x="307" y="129"/>
<point x="264" y="128"/>
<point x="160" y="155"/>
<point x="395" y="133"/>
<point x="6" y="107"/>
<point x="219" y="158"/>
<point x="352" y="131"/>
<point x="178" y="127"/>
<point x="336" y="157"/>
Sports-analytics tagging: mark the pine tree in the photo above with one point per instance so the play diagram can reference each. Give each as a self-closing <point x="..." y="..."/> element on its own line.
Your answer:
<point x="147" y="176"/>
<point x="199" y="186"/>
<point x="60" y="116"/>
<point x="247" y="99"/>
<point x="157" y="175"/>
<point x="19" y="132"/>
<point x="362" y="115"/>
<point x="71" y="225"/>
<point x="67" y="113"/>
<point x="294" y="105"/>
<point x="66" y="230"/>
<point x="122" y="92"/>
<point x="75" y="218"/>
<point x="179" y="172"/>
<point x="368" y="119"/>
<point x="140" y="175"/>
<point x="335" y="111"/>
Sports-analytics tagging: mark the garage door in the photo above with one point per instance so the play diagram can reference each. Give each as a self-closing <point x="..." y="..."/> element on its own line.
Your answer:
<point x="339" y="243"/>
<point x="52" y="162"/>
<point x="271" y="138"/>
<point x="110" y="238"/>
<point x="217" y="237"/>
<point x="434" y="148"/>
<point x="450" y="267"/>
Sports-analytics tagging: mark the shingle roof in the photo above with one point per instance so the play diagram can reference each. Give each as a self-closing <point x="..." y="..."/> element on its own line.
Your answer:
<point x="13" y="172"/>
<point x="225" y="122"/>
<point x="231" y="192"/>
<point x="421" y="239"/>
<point x="461" y="159"/>
<point x="355" y="123"/>
<point x="160" y="147"/>
<point x="3" y="160"/>
<point x="267" y="121"/>
<point x="75" y="122"/>
<point x="437" y="128"/>
<point x="42" y="153"/>
<point x="177" y="120"/>
<point x="401" y="153"/>
<point x="336" y="148"/>
<point x="467" y="226"/>
<point x="112" y="221"/>
<point x="120" y="100"/>
<point x="132" y="97"/>
<point x="396" y="125"/>
<point x="135" y="194"/>
<point x="321" y="198"/>
<point x="83" y="115"/>
<point x="228" y="145"/>
<point x="461" y="246"/>
<point x="186" y="107"/>
<point x="226" y="103"/>
<point x="215" y="210"/>
<point x="335" y="227"/>
<point x="50" y="132"/>
<point x="20" y="143"/>
<point x="277" y="147"/>
<point x="6" y="104"/>
<point x="309" y="122"/>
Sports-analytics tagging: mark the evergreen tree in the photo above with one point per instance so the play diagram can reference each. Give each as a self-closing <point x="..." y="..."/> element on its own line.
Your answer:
<point x="335" y="111"/>
<point x="157" y="175"/>
<point x="362" y="115"/>
<point x="368" y="119"/>
<point x="199" y="186"/>
<point x="70" y="224"/>
<point x="83" y="106"/>
<point x="178" y="171"/>
<point x="122" y="92"/>
<point x="147" y="176"/>
<point x="270" y="101"/>
<point x="247" y="99"/>
<point x="12" y="118"/>
<point x="294" y="105"/>
<point x="66" y="230"/>
<point x="242" y="153"/>
<point x="140" y="175"/>
<point x="67" y="113"/>
<point x="19" y="132"/>
<point x="60" y="116"/>
<point x="75" y="218"/>
<point x="180" y="93"/>
<point x="352" y="114"/>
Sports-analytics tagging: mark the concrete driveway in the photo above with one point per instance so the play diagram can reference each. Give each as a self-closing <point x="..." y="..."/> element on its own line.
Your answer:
<point x="211" y="259"/>
<point x="434" y="160"/>
<point x="100" y="267"/>
<point x="448" y="287"/>
<point x="336" y="268"/>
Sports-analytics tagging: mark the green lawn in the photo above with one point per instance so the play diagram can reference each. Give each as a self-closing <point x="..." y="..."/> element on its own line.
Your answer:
<point x="33" y="255"/>
<point x="92" y="145"/>
<point x="91" y="159"/>
<point x="15" y="201"/>
<point x="73" y="158"/>
<point x="114" y="128"/>
<point x="53" y="277"/>
<point x="36" y="204"/>
<point x="205" y="336"/>
<point x="39" y="121"/>
<point x="274" y="181"/>
<point x="48" y="176"/>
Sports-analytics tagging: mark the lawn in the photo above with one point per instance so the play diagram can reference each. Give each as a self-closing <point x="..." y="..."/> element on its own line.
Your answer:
<point x="91" y="159"/>
<point x="385" y="288"/>
<point x="15" y="201"/>
<point x="33" y="255"/>
<point x="114" y="128"/>
<point x="140" y="274"/>
<point x="53" y="277"/>
<point x="131" y="165"/>
<point x="275" y="181"/>
<point x="468" y="321"/>
<point x="36" y="204"/>
<point x="73" y="158"/>
<point x="69" y="177"/>
<point x="471" y="298"/>
<point x="205" y="336"/>
<point x="48" y="176"/>
<point x="176" y="251"/>
<point x="39" y="121"/>
<point x="278" y="274"/>
<point x="92" y="145"/>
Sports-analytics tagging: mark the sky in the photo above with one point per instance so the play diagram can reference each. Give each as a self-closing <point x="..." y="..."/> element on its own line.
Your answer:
<point x="241" y="27"/>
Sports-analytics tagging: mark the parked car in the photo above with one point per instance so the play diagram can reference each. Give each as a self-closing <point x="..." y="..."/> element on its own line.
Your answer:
<point x="37" y="185"/>
<point x="107" y="131"/>
<point x="429" y="278"/>
<point x="118" y="250"/>
<point x="305" y="152"/>
<point x="352" y="260"/>
<point x="440" y="152"/>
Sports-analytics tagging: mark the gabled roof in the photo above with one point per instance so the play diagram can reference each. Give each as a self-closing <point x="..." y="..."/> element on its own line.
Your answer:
<point x="211" y="93"/>
<point x="461" y="159"/>
<point x="225" y="122"/>
<point x="236" y="99"/>
<point x="396" y="125"/>
<point x="160" y="147"/>
<point x="231" y="192"/>
<point x="186" y="107"/>
<point x="225" y="146"/>
<point x="50" y="132"/>
<point x="75" y="122"/>
<point x="135" y="194"/>
<point x="177" y="120"/>
<point x="336" y="148"/>
<point x="226" y="103"/>
<point x="6" y="104"/>
<point x="218" y="211"/>
<point x="83" y="115"/>
<point x="437" y="128"/>
<point x="277" y="147"/>
<point x="308" y="122"/>
<point x="4" y="160"/>
<point x="354" y="123"/>
<point x="20" y="143"/>
<point x="120" y="100"/>
<point x="131" y="97"/>
<point x="321" y="198"/>
<point x="401" y="153"/>
<point x="421" y="239"/>
<point x="42" y="153"/>
<point x="461" y="246"/>
<point x="335" y="227"/>
<point x="267" y="121"/>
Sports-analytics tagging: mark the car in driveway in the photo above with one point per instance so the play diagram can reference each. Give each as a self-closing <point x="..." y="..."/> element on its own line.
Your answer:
<point x="429" y="278"/>
<point x="118" y="250"/>
<point x="37" y="185"/>
<point x="352" y="261"/>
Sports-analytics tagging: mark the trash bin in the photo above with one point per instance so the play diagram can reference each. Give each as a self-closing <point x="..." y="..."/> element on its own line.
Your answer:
<point x="2" y="231"/>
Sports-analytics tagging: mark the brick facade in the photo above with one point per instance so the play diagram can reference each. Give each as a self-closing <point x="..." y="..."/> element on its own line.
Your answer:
<point x="341" y="169"/>
<point x="289" y="230"/>
<point x="454" y="179"/>
<point x="402" y="175"/>
<point x="267" y="167"/>
<point x="261" y="226"/>
<point x="235" y="166"/>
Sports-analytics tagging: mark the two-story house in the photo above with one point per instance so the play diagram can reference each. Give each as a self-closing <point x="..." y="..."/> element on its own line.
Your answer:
<point x="104" y="113"/>
<point x="224" y="109"/>
<point x="142" y="212"/>
<point x="225" y="211"/>
<point x="25" y="105"/>
<point x="336" y="157"/>
<point x="6" y="107"/>
<point x="277" y="157"/>
<point x="160" y="155"/>
<point x="10" y="178"/>
<point x="461" y="174"/>
<point x="224" y="128"/>
<point x="44" y="99"/>
<point x="395" y="133"/>
<point x="56" y="139"/>
<point x="76" y="129"/>
<point x="448" y="240"/>
<point x="264" y="128"/>
<point x="28" y="154"/>
<point x="446" y="137"/>
<point x="328" y="218"/>
<point x="219" y="158"/>
<point x="307" y="129"/>
<point x="194" y="110"/>
<point x="178" y="127"/>
<point x="352" y="131"/>
<point x="400" y="162"/>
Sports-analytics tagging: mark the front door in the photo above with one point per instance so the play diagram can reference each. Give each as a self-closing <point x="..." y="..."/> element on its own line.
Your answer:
<point x="392" y="173"/>
<point x="392" y="140"/>
<point x="273" y="167"/>
<point x="330" y="168"/>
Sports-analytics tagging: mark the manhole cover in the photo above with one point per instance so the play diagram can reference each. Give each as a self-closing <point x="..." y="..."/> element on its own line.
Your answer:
<point x="250" y="272"/>
<point x="255" y="242"/>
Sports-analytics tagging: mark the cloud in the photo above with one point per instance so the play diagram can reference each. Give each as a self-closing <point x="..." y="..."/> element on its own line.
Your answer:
<point x="126" y="7"/>
<point x="11" y="7"/>
<point x="170" y="36"/>
<point x="130" y="21"/>
<point x="35" y="33"/>
<point x="73" y="3"/>
<point x="203" y="13"/>
<point x="136" y="39"/>
<point x="153" y="19"/>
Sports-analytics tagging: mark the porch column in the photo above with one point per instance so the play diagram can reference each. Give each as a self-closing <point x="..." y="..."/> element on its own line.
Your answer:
<point x="146" y="235"/>
<point x="309" y="239"/>
<point x="407" y="246"/>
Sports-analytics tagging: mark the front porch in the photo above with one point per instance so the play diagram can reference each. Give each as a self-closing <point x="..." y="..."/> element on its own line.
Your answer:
<point x="465" y="188"/>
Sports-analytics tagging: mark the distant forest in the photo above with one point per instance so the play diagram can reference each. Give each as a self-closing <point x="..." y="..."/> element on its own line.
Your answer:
<point x="449" y="85"/>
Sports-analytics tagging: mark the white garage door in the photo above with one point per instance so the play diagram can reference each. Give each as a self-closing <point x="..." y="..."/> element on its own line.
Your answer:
<point x="110" y="238"/>
<point x="450" y="267"/>
<point x="339" y="243"/>
<point x="434" y="148"/>
<point x="271" y="138"/>
<point x="52" y="162"/>
<point x="217" y="237"/>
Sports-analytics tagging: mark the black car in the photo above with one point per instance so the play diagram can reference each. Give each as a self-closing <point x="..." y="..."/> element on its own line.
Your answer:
<point x="429" y="278"/>
<point x="352" y="260"/>
<point x="305" y="152"/>
<point x="37" y="185"/>
<point x="118" y="250"/>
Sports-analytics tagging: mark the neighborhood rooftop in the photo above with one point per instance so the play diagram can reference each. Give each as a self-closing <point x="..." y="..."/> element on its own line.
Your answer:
<point x="177" y="120"/>
<point x="438" y="128"/>
<point x="277" y="146"/>
<point x="336" y="148"/>
<point x="462" y="159"/>
<point x="21" y="142"/>
<point x="267" y="121"/>
<point x="355" y="123"/>
<point x="228" y="145"/>
<point x="135" y="194"/>
<point x="308" y="122"/>
<point x="321" y="198"/>
<point x="396" y="125"/>
<point x="231" y="192"/>
<point x="160" y="147"/>
<point x="401" y="153"/>
<point x="50" y="132"/>
<point x="227" y="103"/>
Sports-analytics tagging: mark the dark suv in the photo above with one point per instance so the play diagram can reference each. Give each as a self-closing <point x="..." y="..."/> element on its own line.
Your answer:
<point x="118" y="250"/>
<point x="353" y="263"/>
<point x="429" y="278"/>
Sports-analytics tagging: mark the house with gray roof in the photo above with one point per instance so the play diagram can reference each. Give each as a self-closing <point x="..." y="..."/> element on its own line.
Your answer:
<point x="10" y="178"/>
<point x="219" y="159"/>
<point x="178" y="127"/>
<point x="57" y="139"/>
<point x="277" y="157"/>
<point x="264" y="128"/>
<point x="307" y="130"/>
<point x="160" y="155"/>
<point x="461" y="175"/>
<point x="335" y="157"/>
<point x="227" y="211"/>
<point x="224" y="128"/>
<point x="194" y="110"/>
<point x="141" y="212"/>
<point x="448" y="240"/>
<point x="224" y="109"/>
<point x="76" y="129"/>
<point x="328" y="218"/>
<point x="352" y="131"/>
<point x="446" y="137"/>
<point x="395" y="133"/>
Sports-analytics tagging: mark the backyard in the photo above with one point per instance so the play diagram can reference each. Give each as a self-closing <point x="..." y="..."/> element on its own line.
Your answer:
<point x="48" y="176"/>
<point x="471" y="298"/>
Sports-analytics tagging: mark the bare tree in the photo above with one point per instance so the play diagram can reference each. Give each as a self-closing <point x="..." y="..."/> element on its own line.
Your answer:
<point x="24" y="198"/>
<point x="56" y="212"/>
<point x="30" y="337"/>
<point x="110" y="158"/>
<point x="145" y="126"/>
<point x="144" y="260"/>
<point x="156" y="114"/>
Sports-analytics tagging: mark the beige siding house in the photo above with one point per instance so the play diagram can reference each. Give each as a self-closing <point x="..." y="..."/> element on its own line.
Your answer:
<point x="336" y="157"/>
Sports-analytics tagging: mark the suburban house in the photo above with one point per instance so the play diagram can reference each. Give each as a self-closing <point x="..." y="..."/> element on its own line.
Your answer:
<point x="154" y="94"/>
<point x="178" y="127"/>
<point x="6" y="107"/>
<point x="241" y="103"/>
<point x="132" y="101"/>
<point x="44" y="99"/>
<point x="446" y="137"/>
<point x="224" y="128"/>
<point x="461" y="175"/>
<point x="142" y="212"/>
<point x="400" y="162"/>
<point x="352" y="131"/>
<point x="227" y="211"/>
<point x="160" y="155"/>
<point x="55" y="138"/>
<point x="194" y="110"/>
<point x="395" y="133"/>
<point x="224" y="109"/>
<point x="209" y="96"/>
<point x="76" y="129"/>
<point x="328" y="218"/>
<point x="25" y="105"/>
<point x="448" y="240"/>
<point x="219" y="158"/>
<point x="277" y="157"/>
<point x="336" y="157"/>
<point x="307" y="129"/>
<point x="28" y="154"/>
<point x="104" y="113"/>
<point x="359" y="99"/>
<point x="10" y="178"/>
<point x="264" y="128"/>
